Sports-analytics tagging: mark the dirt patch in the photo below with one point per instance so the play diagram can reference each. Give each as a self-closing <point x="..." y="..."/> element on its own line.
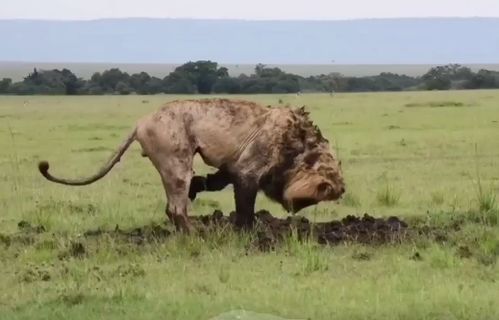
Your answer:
<point x="92" y="149"/>
<point x="145" y="234"/>
<point x="438" y="104"/>
<point x="26" y="227"/>
<point x="269" y="231"/>
<point x="26" y="235"/>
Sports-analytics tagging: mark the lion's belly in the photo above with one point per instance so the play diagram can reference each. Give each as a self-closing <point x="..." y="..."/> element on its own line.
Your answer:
<point x="216" y="146"/>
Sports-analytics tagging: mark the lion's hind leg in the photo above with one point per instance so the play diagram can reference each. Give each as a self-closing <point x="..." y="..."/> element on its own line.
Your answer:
<point x="173" y="158"/>
<point x="176" y="175"/>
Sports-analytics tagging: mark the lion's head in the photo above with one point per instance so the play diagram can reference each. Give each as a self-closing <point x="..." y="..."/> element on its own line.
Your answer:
<point x="307" y="172"/>
<point x="317" y="178"/>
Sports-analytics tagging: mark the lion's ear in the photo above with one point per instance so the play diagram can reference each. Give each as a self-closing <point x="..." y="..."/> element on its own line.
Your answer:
<point x="311" y="158"/>
<point x="300" y="110"/>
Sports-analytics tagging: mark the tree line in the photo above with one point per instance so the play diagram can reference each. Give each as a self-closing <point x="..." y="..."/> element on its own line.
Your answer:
<point x="205" y="77"/>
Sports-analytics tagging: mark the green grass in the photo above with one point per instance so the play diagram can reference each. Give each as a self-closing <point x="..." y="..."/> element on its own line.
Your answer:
<point x="417" y="163"/>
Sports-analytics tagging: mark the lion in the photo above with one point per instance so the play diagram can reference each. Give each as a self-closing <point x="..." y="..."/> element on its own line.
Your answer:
<point x="254" y="147"/>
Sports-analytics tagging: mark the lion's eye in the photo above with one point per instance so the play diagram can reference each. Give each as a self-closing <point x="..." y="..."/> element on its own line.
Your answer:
<point x="323" y="188"/>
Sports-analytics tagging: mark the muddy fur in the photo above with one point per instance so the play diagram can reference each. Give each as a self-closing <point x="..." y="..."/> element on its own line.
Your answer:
<point x="276" y="150"/>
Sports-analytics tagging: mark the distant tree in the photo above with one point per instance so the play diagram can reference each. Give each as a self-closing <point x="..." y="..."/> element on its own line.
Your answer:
<point x="259" y="69"/>
<point x="286" y="84"/>
<point x="459" y="72"/>
<point x="202" y="74"/>
<point x="92" y="88"/>
<point x="177" y="82"/>
<point x="257" y="85"/>
<point x="71" y="83"/>
<point x="222" y="72"/>
<point x="387" y="81"/>
<point x="123" y="88"/>
<point x="270" y="80"/>
<point x="153" y="85"/>
<point x="263" y="72"/>
<point x="49" y="82"/>
<point x="227" y="85"/>
<point x="437" y="78"/>
<point x="205" y="76"/>
<point x="33" y="78"/>
<point x="109" y="79"/>
<point x="96" y="78"/>
<point x="443" y="77"/>
<point x="5" y="84"/>
<point x="138" y="82"/>
<point x="483" y="79"/>
<point x="360" y="84"/>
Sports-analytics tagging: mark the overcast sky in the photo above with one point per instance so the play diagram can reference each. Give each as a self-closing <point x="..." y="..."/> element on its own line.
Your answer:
<point x="246" y="9"/>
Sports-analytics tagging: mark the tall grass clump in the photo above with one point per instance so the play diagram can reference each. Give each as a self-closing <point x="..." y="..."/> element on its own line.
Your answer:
<point x="387" y="196"/>
<point x="487" y="211"/>
<point x="351" y="200"/>
<point x="437" y="198"/>
<point x="310" y="255"/>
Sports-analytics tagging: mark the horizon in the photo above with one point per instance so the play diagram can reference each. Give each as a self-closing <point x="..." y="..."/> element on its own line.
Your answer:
<point x="276" y="10"/>
<point x="251" y="19"/>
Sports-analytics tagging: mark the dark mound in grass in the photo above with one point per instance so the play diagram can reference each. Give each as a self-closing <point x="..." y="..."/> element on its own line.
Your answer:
<point x="437" y="104"/>
<point x="270" y="230"/>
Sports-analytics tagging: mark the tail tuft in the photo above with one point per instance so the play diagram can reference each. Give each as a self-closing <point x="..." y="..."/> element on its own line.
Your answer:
<point x="43" y="166"/>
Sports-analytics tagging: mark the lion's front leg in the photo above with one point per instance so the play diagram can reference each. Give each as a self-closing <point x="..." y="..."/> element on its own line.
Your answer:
<point x="212" y="182"/>
<point x="245" y="196"/>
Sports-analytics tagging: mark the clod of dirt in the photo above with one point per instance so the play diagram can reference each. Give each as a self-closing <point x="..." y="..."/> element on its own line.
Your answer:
<point x="45" y="276"/>
<point x="216" y="218"/>
<point x="5" y="240"/>
<point x="464" y="252"/>
<point x="26" y="227"/>
<point x="440" y="236"/>
<point x="265" y="242"/>
<point x="73" y="299"/>
<point x="416" y="256"/>
<point x="34" y="274"/>
<point x="130" y="270"/>
<point x="77" y="250"/>
<point x="364" y="256"/>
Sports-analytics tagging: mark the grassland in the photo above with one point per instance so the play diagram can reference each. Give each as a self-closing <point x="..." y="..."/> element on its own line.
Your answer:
<point x="431" y="158"/>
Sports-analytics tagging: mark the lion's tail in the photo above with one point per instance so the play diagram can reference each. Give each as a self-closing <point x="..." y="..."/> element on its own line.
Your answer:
<point x="43" y="166"/>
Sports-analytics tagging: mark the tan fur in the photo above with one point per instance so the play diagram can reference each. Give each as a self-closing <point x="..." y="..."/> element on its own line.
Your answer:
<point x="276" y="150"/>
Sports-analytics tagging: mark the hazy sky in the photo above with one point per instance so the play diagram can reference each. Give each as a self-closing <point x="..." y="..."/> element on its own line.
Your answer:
<point x="246" y="9"/>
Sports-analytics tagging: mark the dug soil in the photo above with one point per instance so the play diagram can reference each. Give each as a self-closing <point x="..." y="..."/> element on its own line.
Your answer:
<point x="268" y="231"/>
<point x="271" y="230"/>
